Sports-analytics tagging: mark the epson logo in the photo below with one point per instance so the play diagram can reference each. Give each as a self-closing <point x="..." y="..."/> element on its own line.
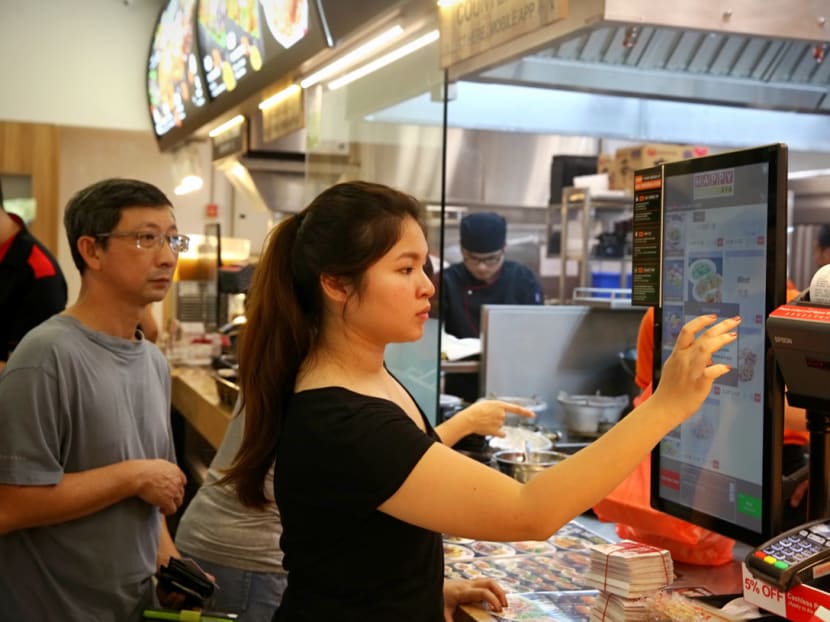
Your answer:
<point x="786" y="340"/>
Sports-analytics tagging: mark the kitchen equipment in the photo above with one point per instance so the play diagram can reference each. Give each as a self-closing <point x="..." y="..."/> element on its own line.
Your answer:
<point x="514" y="463"/>
<point x="531" y="403"/>
<point x="226" y="386"/>
<point x="628" y="361"/>
<point x="586" y="414"/>
<point x="518" y="439"/>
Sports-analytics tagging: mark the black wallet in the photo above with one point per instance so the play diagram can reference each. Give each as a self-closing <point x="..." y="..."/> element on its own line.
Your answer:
<point x="185" y="576"/>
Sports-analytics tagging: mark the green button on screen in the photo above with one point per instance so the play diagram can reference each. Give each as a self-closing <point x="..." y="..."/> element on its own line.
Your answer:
<point x="749" y="505"/>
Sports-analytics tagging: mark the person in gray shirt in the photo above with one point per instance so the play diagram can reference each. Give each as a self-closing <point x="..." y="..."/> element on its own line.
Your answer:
<point x="87" y="465"/>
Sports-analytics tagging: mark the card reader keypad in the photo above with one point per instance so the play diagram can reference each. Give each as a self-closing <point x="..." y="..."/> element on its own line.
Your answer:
<point x="792" y="549"/>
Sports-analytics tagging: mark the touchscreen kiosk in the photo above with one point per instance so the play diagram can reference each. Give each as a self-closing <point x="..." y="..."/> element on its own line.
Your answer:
<point x="723" y="251"/>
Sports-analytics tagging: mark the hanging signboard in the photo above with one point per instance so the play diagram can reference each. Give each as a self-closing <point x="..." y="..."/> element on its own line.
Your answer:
<point x="237" y="38"/>
<point x="475" y="26"/>
<point x="284" y="117"/>
<point x="175" y="85"/>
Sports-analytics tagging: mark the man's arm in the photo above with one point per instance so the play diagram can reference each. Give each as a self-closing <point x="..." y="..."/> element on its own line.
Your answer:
<point x="158" y="482"/>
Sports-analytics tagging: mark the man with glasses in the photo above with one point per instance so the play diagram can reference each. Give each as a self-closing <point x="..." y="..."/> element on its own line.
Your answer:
<point x="483" y="276"/>
<point x="87" y="465"/>
<point x="32" y="287"/>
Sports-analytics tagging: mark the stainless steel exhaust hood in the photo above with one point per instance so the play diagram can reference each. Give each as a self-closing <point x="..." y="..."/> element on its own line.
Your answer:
<point x="768" y="55"/>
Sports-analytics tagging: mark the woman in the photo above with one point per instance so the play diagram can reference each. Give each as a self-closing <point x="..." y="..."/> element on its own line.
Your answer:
<point x="240" y="547"/>
<point x="363" y="485"/>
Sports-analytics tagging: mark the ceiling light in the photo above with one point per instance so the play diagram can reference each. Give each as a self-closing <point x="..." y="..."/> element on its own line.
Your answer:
<point x="186" y="169"/>
<point x="237" y="120"/>
<point x="279" y="97"/>
<point x="352" y="57"/>
<point x="384" y="60"/>
<point x="448" y="3"/>
<point x="188" y="184"/>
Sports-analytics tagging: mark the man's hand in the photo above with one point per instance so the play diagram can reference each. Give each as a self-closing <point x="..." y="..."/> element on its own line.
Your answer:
<point x="161" y="483"/>
<point x="457" y="592"/>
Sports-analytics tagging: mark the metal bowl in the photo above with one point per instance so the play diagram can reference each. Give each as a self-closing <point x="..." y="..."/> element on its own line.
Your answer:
<point x="516" y="465"/>
<point x="584" y="414"/>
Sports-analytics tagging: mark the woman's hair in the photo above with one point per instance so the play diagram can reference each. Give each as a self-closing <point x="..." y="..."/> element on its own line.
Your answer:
<point x="340" y="234"/>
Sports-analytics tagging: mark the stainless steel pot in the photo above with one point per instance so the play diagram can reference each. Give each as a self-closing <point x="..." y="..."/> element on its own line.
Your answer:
<point x="584" y="414"/>
<point x="516" y="465"/>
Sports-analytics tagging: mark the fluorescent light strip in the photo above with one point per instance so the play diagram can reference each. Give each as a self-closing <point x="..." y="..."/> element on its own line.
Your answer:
<point x="384" y="60"/>
<point x="352" y="57"/>
<point x="278" y="97"/>
<point x="237" y="120"/>
<point x="448" y="3"/>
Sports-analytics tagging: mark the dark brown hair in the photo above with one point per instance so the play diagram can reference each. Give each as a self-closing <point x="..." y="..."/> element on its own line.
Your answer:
<point x="342" y="232"/>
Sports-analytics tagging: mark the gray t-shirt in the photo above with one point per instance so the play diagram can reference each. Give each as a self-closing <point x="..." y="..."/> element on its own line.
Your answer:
<point x="218" y="528"/>
<point x="73" y="399"/>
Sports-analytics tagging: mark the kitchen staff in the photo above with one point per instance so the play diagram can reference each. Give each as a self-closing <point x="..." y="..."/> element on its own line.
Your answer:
<point x="484" y="276"/>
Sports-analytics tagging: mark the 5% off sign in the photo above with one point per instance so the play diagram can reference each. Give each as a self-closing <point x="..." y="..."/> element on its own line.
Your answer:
<point x="763" y="594"/>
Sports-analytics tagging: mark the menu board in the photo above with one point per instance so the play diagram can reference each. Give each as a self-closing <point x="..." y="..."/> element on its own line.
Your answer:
<point x="238" y="37"/>
<point x="174" y="80"/>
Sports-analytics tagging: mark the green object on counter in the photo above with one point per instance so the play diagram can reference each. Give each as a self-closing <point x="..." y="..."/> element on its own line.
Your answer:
<point x="187" y="615"/>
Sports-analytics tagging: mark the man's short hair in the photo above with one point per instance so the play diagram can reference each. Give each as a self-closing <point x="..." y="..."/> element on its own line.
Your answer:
<point x="97" y="209"/>
<point x="483" y="232"/>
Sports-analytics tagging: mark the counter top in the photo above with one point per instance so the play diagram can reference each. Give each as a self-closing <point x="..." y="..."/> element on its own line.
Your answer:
<point x="556" y="575"/>
<point x="196" y="398"/>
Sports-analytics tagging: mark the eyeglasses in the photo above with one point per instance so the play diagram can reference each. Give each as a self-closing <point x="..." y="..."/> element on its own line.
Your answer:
<point x="488" y="260"/>
<point x="149" y="239"/>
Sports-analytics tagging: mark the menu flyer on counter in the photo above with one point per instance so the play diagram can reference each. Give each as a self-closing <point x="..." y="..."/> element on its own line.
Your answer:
<point x="544" y="580"/>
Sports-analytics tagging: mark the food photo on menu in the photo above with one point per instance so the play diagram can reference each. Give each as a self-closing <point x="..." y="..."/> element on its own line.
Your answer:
<point x="238" y="38"/>
<point x="174" y="82"/>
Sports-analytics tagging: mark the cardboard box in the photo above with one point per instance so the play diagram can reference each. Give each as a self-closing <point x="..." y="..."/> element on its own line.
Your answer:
<point x="800" y="603"/>
<point x="606" y="164"/>
<point x="629" y="159"/>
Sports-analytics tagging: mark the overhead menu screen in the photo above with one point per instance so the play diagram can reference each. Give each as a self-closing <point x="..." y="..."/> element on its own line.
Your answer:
<point x="174" y="80"/>
<point x="238" y="37"/>
<point x="720" y="255"/>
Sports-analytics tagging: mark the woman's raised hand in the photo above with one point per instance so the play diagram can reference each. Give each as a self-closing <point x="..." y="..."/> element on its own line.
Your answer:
<point x="689" y="372"/>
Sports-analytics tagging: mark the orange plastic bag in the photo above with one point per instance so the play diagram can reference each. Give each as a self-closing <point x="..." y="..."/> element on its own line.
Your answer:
<point x="628" y="505"/>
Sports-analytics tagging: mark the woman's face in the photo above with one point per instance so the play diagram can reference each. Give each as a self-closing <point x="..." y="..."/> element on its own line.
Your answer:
<point x="394" y="303"/>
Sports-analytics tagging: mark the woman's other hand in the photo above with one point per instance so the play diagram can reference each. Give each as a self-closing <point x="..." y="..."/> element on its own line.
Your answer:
<point x="486" y="417"/>
<point x="458" y="592"/>
<point x="689" y="372"/>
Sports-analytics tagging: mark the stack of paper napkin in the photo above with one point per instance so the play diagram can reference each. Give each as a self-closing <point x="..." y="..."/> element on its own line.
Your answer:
<point x="624" y="572"/>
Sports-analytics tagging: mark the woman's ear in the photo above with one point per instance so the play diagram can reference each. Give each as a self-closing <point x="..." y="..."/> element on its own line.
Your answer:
<point x="335" y="288"/>
<point x="90" y="251"/>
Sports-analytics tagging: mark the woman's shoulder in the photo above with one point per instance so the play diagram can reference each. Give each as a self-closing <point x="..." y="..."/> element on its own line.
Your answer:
<point x="335" y="405"/>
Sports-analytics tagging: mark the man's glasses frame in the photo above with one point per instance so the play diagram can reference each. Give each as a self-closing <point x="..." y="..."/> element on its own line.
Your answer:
<point x="490" y="259"/>
<point x="178" y="242"/>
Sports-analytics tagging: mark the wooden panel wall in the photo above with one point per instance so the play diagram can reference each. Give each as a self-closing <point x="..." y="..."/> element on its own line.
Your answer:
<point x="32" y="149"/>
